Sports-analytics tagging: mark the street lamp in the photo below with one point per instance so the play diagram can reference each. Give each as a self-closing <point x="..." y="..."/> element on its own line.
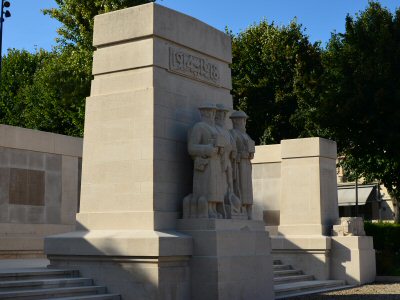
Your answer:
<point x="7" y="14"/>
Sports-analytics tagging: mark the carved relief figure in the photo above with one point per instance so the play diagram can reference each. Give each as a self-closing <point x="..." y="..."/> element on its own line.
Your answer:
<point x="206" y="146"/>
<point x="349" y="226"/>
<point x="232" y="202"/>
<point x="245" y="146"/>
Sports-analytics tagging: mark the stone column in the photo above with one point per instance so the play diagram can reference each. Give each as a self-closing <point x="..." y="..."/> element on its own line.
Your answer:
<point x="152" y="68"/>
<point x="308" y="205"/>
<point x="309" y="191"/>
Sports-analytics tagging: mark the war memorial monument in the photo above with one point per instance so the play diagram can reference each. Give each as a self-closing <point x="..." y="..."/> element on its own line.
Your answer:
<point x="170" y="206"/>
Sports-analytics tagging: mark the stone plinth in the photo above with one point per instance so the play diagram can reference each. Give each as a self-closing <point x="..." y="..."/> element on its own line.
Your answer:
<point x="231" y="259"/>
<point x="353" y="259"/>
<point x="308" y="203"/>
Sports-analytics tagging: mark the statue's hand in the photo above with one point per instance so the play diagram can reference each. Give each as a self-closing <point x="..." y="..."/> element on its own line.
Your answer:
<point x="251" y="155"/>
<point x="212" y="151"/>
<point x="233" y="155"/>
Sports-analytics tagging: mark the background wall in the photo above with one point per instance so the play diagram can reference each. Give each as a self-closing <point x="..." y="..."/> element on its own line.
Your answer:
<point x="267" y="184"/>
<point x="39" y="188"/>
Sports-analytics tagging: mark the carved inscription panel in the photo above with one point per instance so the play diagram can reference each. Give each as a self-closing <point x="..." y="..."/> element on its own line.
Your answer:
<point x="193" y="66"/>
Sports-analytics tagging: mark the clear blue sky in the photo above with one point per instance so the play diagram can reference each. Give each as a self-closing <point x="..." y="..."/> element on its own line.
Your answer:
<point x="29" y="29"/>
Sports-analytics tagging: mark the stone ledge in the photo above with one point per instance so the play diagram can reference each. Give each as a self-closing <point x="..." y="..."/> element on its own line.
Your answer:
<point x="220" y="224"/>
<point x="120" y="243"/>
<point x="267" y="154"/>
<point x="40" y="141"/>
<point x="308" y="147"/>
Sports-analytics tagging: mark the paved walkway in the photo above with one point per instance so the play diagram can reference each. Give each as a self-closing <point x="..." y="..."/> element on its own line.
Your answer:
<point x="375" y="291"/>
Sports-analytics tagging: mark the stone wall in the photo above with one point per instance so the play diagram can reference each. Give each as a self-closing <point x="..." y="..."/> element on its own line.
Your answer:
<point x="39" y="188"/>
<point x="267" y="184"/>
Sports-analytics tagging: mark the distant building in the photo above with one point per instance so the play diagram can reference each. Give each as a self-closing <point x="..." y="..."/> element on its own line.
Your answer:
<point x="374" y="202"/>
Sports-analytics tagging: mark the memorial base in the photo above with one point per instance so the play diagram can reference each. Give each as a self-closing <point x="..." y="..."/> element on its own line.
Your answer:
<point x="353" y="259"/>
<point x="231" y="259"/>
<point x="139" y="264"/>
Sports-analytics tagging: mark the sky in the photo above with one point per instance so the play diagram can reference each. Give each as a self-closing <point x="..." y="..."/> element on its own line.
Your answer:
<point x="29" y="29"/>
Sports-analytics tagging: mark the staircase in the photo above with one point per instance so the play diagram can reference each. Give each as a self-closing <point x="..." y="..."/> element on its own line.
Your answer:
<point x="41" y="283"/>
<point x="289" y="282"/>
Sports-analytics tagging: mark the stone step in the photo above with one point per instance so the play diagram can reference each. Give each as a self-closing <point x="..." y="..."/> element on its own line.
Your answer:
<point x="306" y="287"/>
<point x="53" y="293"/>
<point x="282" y="267"/>
<point x="36" y="273"/>
<point x="32" y="284"/>
<point x="293" y="278"/>
<point x="280" y="273"/>
<point x="91" y="297"/>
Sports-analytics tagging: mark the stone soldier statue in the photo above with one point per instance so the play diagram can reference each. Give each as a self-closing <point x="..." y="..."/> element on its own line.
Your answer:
<point x="245" y="147"/>
<point x="232" y="202"/>
<point x="205" y="146"/>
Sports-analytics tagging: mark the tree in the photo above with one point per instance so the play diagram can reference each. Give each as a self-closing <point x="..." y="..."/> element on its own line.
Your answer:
<point x="360" y="103"/>
<point x="55" y="100"/>
<point x="47" y="90"/>
<point x="18" y="72"/>
<point x="273" y="70"/>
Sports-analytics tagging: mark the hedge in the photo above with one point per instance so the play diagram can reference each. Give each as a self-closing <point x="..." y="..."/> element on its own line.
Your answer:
<point x="387" y="245"/>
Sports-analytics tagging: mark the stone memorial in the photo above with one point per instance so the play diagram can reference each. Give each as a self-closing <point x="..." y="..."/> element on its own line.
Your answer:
<point x="154" y="138"/>
<point x="295" y="192"/>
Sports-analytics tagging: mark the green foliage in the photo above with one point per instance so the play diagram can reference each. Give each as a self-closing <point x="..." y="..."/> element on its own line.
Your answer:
<point x="77" y="17"/>
<point x="273" y="70"/>
<point x="47" y="90"/>
<point x="57" y="93"/>
<point x="387" y="245"/>
<point x="18" y="72"/>
<point x="360" y="103"/>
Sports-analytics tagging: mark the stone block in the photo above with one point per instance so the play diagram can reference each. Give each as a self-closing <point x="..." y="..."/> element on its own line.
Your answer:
<point x="68" y="145"/>
<point x="309" y="190"/>
<point x="349" y="226"/>
<point x="17" y="213"/>
<point x="153" y="19"/>
<point x="231" y="259"/>
<point x="36" y="214"/>
<point x="123" y="57"/>
<point x="53" y="189"/>
<point x="5" y="156"/>
<point x="69" y="189"/>
<point x="267" y="154"/>
<point x="4" y="185"/>
<point x="19" y="159"/>
<point x="4" y="213"/>
<point x="53" y="162"/>
<point x="36" y="160"/>
<point x="353" y="259"/>
<point x="133" y="243"/>
<point x="53" y="214"/>
<point x="308" y="147"/>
